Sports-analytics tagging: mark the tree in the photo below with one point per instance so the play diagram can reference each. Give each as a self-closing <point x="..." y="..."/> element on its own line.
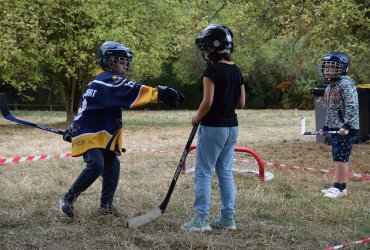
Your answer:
<point x="277" y="43"/>
<point x="60" y="41"/>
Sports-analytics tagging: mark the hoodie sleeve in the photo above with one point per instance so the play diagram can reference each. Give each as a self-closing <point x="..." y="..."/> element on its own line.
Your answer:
<point x="350" y="99"/>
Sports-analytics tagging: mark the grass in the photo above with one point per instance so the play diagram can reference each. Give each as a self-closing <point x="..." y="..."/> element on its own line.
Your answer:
<point x="286" y="213"/>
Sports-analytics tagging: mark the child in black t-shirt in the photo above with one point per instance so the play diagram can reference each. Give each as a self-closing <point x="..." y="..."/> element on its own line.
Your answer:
<point x="223" y="92"/>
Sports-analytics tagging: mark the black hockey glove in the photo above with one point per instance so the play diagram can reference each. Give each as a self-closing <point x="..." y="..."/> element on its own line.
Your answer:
<point x="68" y="134"/>
<point x="170" y="96"/>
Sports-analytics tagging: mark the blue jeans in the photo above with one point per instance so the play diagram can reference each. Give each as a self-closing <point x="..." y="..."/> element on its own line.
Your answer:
<point x="99" y="162"/>
<point x="215" y="151"/>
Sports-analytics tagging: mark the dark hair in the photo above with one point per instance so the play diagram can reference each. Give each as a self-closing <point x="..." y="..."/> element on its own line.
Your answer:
<point x="215" y="57"/>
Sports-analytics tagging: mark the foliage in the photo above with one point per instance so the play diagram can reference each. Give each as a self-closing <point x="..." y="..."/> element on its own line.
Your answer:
<point x="21" y="41"/>
<point x="277" y="43"/>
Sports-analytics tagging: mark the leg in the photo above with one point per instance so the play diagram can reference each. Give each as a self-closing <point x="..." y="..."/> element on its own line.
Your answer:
<point x="111" y="173"/>
<point x="225" y="176"/>
<point x="208" y="150"/>
<point x="94" y="166"/>
<point x="209" y="146"/>
<point x="341" y="172"/>
<point x="341" y="151"/>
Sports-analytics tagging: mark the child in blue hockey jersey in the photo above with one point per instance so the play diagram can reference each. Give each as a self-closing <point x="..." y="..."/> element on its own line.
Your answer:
<point x="96" y="132"/>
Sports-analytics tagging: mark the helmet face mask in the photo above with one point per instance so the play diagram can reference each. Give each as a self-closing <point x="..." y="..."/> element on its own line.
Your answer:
<point x="333" y="66"/>
<point x="215" y="38"/>
<point x="116" y="62"/>
<point x="113" y="55"/>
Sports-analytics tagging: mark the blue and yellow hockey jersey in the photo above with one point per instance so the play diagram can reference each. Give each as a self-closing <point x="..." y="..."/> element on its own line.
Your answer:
<point x="98" y="123"/>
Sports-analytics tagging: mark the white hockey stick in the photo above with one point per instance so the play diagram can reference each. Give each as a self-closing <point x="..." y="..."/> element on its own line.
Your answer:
<point x="304" y="132"/>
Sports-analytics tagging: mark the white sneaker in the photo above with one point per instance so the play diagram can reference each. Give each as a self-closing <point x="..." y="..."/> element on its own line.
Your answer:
<point x="330" y="189"/>
<point x="335" y="193"/>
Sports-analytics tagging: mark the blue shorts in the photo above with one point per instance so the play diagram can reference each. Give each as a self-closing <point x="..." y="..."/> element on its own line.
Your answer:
<point x="342" y="147"/>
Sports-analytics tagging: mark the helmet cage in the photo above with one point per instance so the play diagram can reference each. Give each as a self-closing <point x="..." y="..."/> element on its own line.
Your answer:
<point x="112" y="61"/>
<point x="112" y="53"/>
<point x="330" y="71"/>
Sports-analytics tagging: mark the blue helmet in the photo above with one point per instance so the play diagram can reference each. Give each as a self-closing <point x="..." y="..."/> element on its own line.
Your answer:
<point x="111" y="52"/>
<point x="215" y="38"/>
<point x="338" y="62"/>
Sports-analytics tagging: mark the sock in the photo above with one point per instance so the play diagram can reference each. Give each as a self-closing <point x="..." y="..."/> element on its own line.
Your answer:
<point x="338" y="185"/>
<point x="344" y="186"/>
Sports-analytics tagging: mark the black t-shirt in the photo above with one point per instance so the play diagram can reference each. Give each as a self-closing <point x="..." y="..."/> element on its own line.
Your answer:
<point x="227" y="79"/>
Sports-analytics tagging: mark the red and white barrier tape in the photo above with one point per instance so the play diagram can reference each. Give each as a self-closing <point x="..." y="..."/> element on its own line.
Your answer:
<point x="349" y="244"/>
<point x="317" y="170"/>
<point x="65" y="155"/>
<point x="33" y="158"/>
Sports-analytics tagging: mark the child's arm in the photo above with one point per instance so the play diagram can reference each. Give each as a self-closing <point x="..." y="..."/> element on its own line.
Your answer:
<point x="350" y="99"/>
<point x="132" y="94"/>
<point x="241" y="104"/>
<point x="205" y="105"/>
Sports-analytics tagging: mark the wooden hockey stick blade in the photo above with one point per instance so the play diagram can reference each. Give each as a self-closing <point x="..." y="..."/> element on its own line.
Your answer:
<point x="145" y="218"/>
<point x="7" y="115"/>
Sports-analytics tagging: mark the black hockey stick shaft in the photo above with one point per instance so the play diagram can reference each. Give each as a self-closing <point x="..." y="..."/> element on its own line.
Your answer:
<point x="157" y="212"/>
<point x="7" y="115"/>
<point x="164" y="204"/>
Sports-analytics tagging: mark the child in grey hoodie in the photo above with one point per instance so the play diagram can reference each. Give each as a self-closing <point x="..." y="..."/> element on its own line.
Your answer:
<point x="342" y="115"/>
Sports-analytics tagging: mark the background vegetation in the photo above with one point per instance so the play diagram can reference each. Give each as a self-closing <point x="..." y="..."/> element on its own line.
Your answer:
<point x="50" y="46"/>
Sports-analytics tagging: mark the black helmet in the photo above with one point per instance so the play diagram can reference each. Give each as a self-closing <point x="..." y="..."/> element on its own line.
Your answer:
<point x="215" y="38"/>
<point x="338" y="62"/>
<point x="111" y="52"/>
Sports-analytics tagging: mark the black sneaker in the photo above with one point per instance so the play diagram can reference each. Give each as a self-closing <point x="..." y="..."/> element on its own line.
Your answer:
<point x="66" y="208"/>
<point x="109" y="210"/>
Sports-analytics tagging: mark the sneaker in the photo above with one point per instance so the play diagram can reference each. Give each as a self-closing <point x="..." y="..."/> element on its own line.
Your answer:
<point x="66" y="208"/>
<point x="335" y="193"/>
<point x="330" y="189"/>
<point x="196" y="225"/>
<point x="228" y="224"/>
<point x="109" y="209"/>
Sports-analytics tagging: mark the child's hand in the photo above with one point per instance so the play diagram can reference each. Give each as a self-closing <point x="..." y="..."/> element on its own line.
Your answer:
<point x="194" y="120"/>
<point x="67" y="135"/>
<point x="321" y="132"/>
<point x="343" y="131"/>
<point x="170" y="96"/>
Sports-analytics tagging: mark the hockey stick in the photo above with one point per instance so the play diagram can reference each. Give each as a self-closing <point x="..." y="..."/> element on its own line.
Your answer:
<point x="304" y="132"/>
<point x="157" y="212"/>
<point x="7" y="115"/>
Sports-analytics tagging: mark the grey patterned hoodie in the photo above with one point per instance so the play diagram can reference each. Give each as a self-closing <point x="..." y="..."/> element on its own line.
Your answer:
<point x="341" y="100"/>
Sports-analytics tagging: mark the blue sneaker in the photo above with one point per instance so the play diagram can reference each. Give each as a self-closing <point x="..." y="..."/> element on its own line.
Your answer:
<point x="197" y="225"/>
<point x="228" y="224"/>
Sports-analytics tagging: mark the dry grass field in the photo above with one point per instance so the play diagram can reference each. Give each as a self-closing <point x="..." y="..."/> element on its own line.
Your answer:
<point x="288" y="212"/>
